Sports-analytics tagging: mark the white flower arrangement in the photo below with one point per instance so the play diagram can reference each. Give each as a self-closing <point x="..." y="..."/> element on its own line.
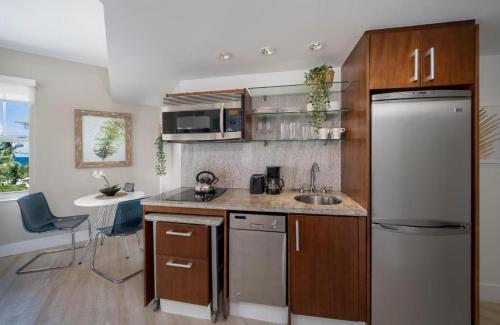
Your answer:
<point x="99" y="174"/>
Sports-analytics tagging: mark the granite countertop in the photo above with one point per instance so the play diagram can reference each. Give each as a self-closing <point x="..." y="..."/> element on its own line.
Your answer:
<point x="242" y="200"/>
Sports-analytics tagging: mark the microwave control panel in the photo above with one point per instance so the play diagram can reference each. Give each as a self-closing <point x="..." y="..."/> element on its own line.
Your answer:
<point x="232" y="120"/>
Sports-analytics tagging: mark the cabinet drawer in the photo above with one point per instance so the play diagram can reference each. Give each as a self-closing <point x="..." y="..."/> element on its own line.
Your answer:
<point x="181" y="240"/>
<point x="183" y="279"/>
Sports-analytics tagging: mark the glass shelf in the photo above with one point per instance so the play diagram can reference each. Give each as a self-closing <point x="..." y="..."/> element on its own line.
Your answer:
<point x="325" y="141"/>
<point x="300" y="140"/>
<point x="300" y="89"/>
<point x="330" y="112"/>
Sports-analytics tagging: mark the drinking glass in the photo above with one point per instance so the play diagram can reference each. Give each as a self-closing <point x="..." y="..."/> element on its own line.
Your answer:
<point x="292" y="126"/>
<point x="285" y="131"/>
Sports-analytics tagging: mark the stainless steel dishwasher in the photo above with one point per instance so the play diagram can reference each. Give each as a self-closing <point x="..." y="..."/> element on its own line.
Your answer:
<point x="257" y="258"/>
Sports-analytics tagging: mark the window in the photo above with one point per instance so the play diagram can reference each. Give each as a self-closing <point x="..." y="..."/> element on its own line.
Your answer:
<point x="15" y="102"/>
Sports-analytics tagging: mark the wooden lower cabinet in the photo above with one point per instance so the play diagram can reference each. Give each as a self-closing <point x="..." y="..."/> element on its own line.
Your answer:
<point x="182" y="263"/>
<point x="182" y="240"/>
<point x="183" y="279"/>
<point x="324" y="266"/>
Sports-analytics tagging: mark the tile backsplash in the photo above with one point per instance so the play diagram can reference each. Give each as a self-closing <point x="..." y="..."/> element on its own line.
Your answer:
<point x="234" y="163"/>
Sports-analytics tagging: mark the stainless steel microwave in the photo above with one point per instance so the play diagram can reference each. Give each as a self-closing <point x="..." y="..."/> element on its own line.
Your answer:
<point x="207" y="116"/>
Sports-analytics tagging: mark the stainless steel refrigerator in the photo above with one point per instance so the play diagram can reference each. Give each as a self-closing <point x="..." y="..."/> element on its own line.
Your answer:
<point x="421" y="208"/>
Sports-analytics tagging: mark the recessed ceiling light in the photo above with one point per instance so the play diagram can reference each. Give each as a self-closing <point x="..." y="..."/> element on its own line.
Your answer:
<point x="267" y="51"/>
<point x="224" y="56"/>
<point x="316" y="46"/>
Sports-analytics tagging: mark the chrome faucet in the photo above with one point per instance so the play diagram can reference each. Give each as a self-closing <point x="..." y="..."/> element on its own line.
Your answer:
<point x="314" y="170"/>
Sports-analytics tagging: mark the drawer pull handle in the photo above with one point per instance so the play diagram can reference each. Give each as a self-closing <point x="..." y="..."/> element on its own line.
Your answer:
<point x="180" y="265"/>
<point x="176" y="233"/>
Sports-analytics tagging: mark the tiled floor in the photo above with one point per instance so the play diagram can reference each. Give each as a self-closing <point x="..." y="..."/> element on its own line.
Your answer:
<point x="76" y="295"/>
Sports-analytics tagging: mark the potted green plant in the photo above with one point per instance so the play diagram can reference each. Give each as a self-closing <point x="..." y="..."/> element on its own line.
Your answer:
<point x="318" y="81"/>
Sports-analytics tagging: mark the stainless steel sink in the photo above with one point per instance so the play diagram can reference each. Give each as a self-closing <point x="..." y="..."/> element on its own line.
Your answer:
<point x="317" y="199"/>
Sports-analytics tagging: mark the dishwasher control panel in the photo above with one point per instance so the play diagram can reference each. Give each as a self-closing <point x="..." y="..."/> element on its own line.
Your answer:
<point x="259" y="222"/>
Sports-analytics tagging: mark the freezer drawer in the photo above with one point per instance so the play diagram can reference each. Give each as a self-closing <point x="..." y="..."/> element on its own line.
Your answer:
<point x="420" y="276"/>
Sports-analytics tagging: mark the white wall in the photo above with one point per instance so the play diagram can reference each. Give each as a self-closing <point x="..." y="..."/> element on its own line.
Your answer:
<point x="490" y="191"/>
<point x="174" y="151"/>
<point x="62" y="87"/>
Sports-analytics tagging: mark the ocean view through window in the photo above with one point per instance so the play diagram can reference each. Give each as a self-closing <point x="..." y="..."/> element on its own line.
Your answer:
<point x="14" y="146"/>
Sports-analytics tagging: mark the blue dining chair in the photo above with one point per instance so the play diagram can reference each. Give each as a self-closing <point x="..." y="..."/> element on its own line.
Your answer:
<point x="128" y="221"/>
<point x="37" y="218"/>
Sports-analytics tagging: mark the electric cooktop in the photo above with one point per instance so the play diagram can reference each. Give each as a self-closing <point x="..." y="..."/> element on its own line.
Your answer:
<point x="188" y="194"/>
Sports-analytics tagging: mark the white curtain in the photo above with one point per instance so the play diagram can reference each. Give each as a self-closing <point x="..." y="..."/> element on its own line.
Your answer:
<point x="17" y="89"/>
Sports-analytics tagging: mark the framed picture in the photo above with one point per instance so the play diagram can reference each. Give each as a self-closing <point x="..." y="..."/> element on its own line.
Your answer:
<point x="489" y="134"/>
<point x="102" y="139"/>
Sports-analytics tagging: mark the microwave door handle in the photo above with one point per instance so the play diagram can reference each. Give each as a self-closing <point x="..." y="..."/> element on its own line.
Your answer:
<point x="221" y="120"/>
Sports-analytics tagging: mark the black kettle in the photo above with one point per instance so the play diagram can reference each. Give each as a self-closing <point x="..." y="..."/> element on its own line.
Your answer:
<point x="205" y="182"/>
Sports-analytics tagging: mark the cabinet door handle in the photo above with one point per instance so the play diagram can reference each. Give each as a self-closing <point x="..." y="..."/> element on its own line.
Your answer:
<point x="297" y="236"/>
<point x="176" y="233"/>
<point x="432" y="56"/>
<point x="179" y="265"/>
<point x="415" y="65"/>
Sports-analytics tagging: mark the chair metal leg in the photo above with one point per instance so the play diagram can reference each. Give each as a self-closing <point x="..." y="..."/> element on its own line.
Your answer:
<point x="73" y="246"/>
<point x="124" y="246"/>
<point x="22" y="270"/>
<point x="104" y="275"/>
<point x="99" y="222"/>
<point x="139" y="241"/>
<point x="88" y="243"/>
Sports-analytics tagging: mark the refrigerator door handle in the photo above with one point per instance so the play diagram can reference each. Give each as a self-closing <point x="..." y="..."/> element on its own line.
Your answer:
<point x="446" y="230"/>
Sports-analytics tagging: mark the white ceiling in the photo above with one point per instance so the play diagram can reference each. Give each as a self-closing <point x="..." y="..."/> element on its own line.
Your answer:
<point x="152" y="44"/>
<point x="65" y="29"/>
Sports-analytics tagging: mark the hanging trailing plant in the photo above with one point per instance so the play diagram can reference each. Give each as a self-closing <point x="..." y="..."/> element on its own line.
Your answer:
<point x="318" y="81"/>
<point x="161" y="160"/>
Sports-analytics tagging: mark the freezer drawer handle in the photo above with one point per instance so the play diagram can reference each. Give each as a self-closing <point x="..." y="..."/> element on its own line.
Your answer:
<point x="176" y="233"/>
<point x="438" y="230"/>
<point x="397" y="227"/>
<point x="179" y="265"/>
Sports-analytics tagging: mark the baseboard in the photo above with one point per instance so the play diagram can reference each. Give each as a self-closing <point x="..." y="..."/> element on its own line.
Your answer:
<point x="490" y="292"/>
<point x="308" y="320"/>
<point x="272" y="314"/>
<point x="41" y="243"/>
<point x="185" y="309"/>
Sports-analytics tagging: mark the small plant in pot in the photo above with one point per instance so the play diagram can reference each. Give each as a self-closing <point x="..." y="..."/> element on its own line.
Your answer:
<point x="107" y="190"/>
<point x="318" y="81"/>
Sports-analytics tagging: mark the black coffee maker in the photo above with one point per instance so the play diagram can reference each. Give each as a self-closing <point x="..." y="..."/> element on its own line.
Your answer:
<point x="274" y="184"/>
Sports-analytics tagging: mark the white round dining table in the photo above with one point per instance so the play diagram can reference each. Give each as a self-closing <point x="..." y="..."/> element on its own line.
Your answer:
<point x="105" y="207"/>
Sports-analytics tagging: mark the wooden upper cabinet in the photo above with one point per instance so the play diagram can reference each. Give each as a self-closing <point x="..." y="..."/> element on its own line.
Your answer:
<point x="454" y="48"/>
<point x="392" y="59"/>
<point x="423" y="56"/>
<point x="324" y="266"/>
